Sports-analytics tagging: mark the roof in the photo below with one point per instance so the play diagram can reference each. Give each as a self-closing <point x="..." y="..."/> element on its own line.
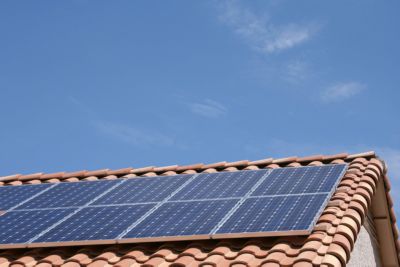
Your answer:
<point x="364" y="188"/>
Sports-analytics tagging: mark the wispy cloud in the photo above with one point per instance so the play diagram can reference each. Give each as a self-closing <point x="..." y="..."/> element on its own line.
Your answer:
<point x="342" y="91"/>
<point x="296" y="71"/>
<point x="258" y="32"/>
<point x="208" y="108"/>
<point x="135" y="136"/>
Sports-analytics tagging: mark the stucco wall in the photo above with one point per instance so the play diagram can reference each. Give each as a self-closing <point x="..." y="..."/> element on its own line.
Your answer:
<point x="365" y="252"/>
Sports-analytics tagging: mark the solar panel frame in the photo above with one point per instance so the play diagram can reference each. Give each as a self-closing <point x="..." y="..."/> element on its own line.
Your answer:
<point x="143" y="190"/>
<point x="275" y="224"/>
<point x="191" y="220"/>
<point x="103" y="225"/>
<point x="31" y="223"/>
<point x="327" y="171"/>
<point x="72" y="194"/>
<point x="13" y="200"/>
<point x="220" y="185"/>
<point x="307" y="231"/>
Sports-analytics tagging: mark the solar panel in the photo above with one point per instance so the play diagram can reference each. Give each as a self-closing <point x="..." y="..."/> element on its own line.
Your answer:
<point x="247" y="203"/>
<point x="69" y="195"/>
<point x="21" y="226"/>
<point x="191" y="218"/>
<point x="142" y="190"/>
<point x="220" y="185"/>
<point x="275" y="214"/>
<point x="300" y="180"/>
<point x="95" y="223"/>
<point x="12" y="196"/>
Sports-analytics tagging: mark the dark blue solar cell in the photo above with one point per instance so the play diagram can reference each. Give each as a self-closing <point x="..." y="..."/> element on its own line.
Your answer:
<point x="21" y="226"/>
<point x="274" y="214"/>
<point x="220" y="185"/>
<point x="96" y="223"/>
<point x="182" y="219"/>
<point x="300" y="180"/>
<point x="11" y="196"/>
<point x="70" y="194"/>
<point x="141" y="190"/>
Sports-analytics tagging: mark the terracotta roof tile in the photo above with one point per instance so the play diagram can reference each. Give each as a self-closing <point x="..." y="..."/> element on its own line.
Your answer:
<point x="143" y="170"/>
<point x="102" y="172"/>
<point x="330" y="243"/>
<point x="240" y="163"/>
<point x="261" y="162"/>
<point x="75" y="174"/>
<point x="10" y="177"/>
<point x="120" y="171"/>
<point x="285" y="160"/>
<point x="56" y="175"/>
<point x="30" y="176"/>
<point x="221" y="164"/>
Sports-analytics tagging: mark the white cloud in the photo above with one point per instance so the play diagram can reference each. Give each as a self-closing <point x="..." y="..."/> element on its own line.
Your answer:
<point x="134" y="135"/>
<point x="258" y="32"/>
<point x="342" y="91"/>
<point x="209" y="108"/>
<point x="296" y="71"/>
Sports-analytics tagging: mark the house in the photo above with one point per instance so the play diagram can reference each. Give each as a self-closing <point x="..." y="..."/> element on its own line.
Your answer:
<point x="357" y="227"/>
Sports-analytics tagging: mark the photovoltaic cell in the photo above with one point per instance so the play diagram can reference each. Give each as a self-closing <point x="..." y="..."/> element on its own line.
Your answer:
<point x="301" y="180"/>
<point x="274" y="214"/>
<point x="96" y="223"/>
<point x="182" y="219"/>
<point x="21" y="226"/>
<point x="10" y="196"/>
<point x="69" y="195"/>
<point x="141" y="190"/>
<point x="220" y="185"/>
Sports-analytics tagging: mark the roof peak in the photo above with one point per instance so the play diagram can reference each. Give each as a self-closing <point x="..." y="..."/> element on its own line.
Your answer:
<point x="175" y="169"/>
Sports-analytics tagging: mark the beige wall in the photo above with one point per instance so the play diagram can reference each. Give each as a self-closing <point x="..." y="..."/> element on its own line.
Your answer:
<point x="365" y="252"/>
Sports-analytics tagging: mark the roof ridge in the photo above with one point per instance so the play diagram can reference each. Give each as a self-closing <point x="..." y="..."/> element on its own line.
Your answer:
<point x="181" y="169"/>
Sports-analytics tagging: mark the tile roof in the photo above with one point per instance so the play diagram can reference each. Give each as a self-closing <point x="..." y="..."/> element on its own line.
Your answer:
<point x="330" y="243"/>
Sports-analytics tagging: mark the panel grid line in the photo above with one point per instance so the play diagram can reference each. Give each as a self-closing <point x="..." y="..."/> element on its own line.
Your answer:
<point x="147" y="214"/>
<point x="247" y="195"/>
<point x="76" y="211"/>
<point x="286" y="195"/>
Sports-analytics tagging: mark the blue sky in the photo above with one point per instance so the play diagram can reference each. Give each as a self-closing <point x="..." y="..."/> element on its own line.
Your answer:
<point x="111" y="84"/>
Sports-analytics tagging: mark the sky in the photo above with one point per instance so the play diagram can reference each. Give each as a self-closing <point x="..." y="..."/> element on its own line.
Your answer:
<point x="111" y="84"/>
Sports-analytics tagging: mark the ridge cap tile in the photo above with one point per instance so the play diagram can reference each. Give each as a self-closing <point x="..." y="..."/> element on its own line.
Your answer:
<point x="81" y="173"/>
<point x="10" y="177"/>
<point x="165" y="168"/>
<point x="335" y="156"/>
<point x="142" y="169"/>
<point x="100" y="172"/>
<point x="215" y="165"/>
<point x="121" y="171"/>
<point x="366" y="154"/>
<point x="239" y="163"/>
<point x="195" y="166"/>
<point x="261" y="162"/>
<point x="311" y="158"/>
<point x="285" y="160"/>
<point x="52" y="175"/>
<point x="31" y="176"/>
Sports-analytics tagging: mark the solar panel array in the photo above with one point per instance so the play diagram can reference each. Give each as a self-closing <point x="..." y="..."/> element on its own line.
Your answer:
<point x="247" y="203"/>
